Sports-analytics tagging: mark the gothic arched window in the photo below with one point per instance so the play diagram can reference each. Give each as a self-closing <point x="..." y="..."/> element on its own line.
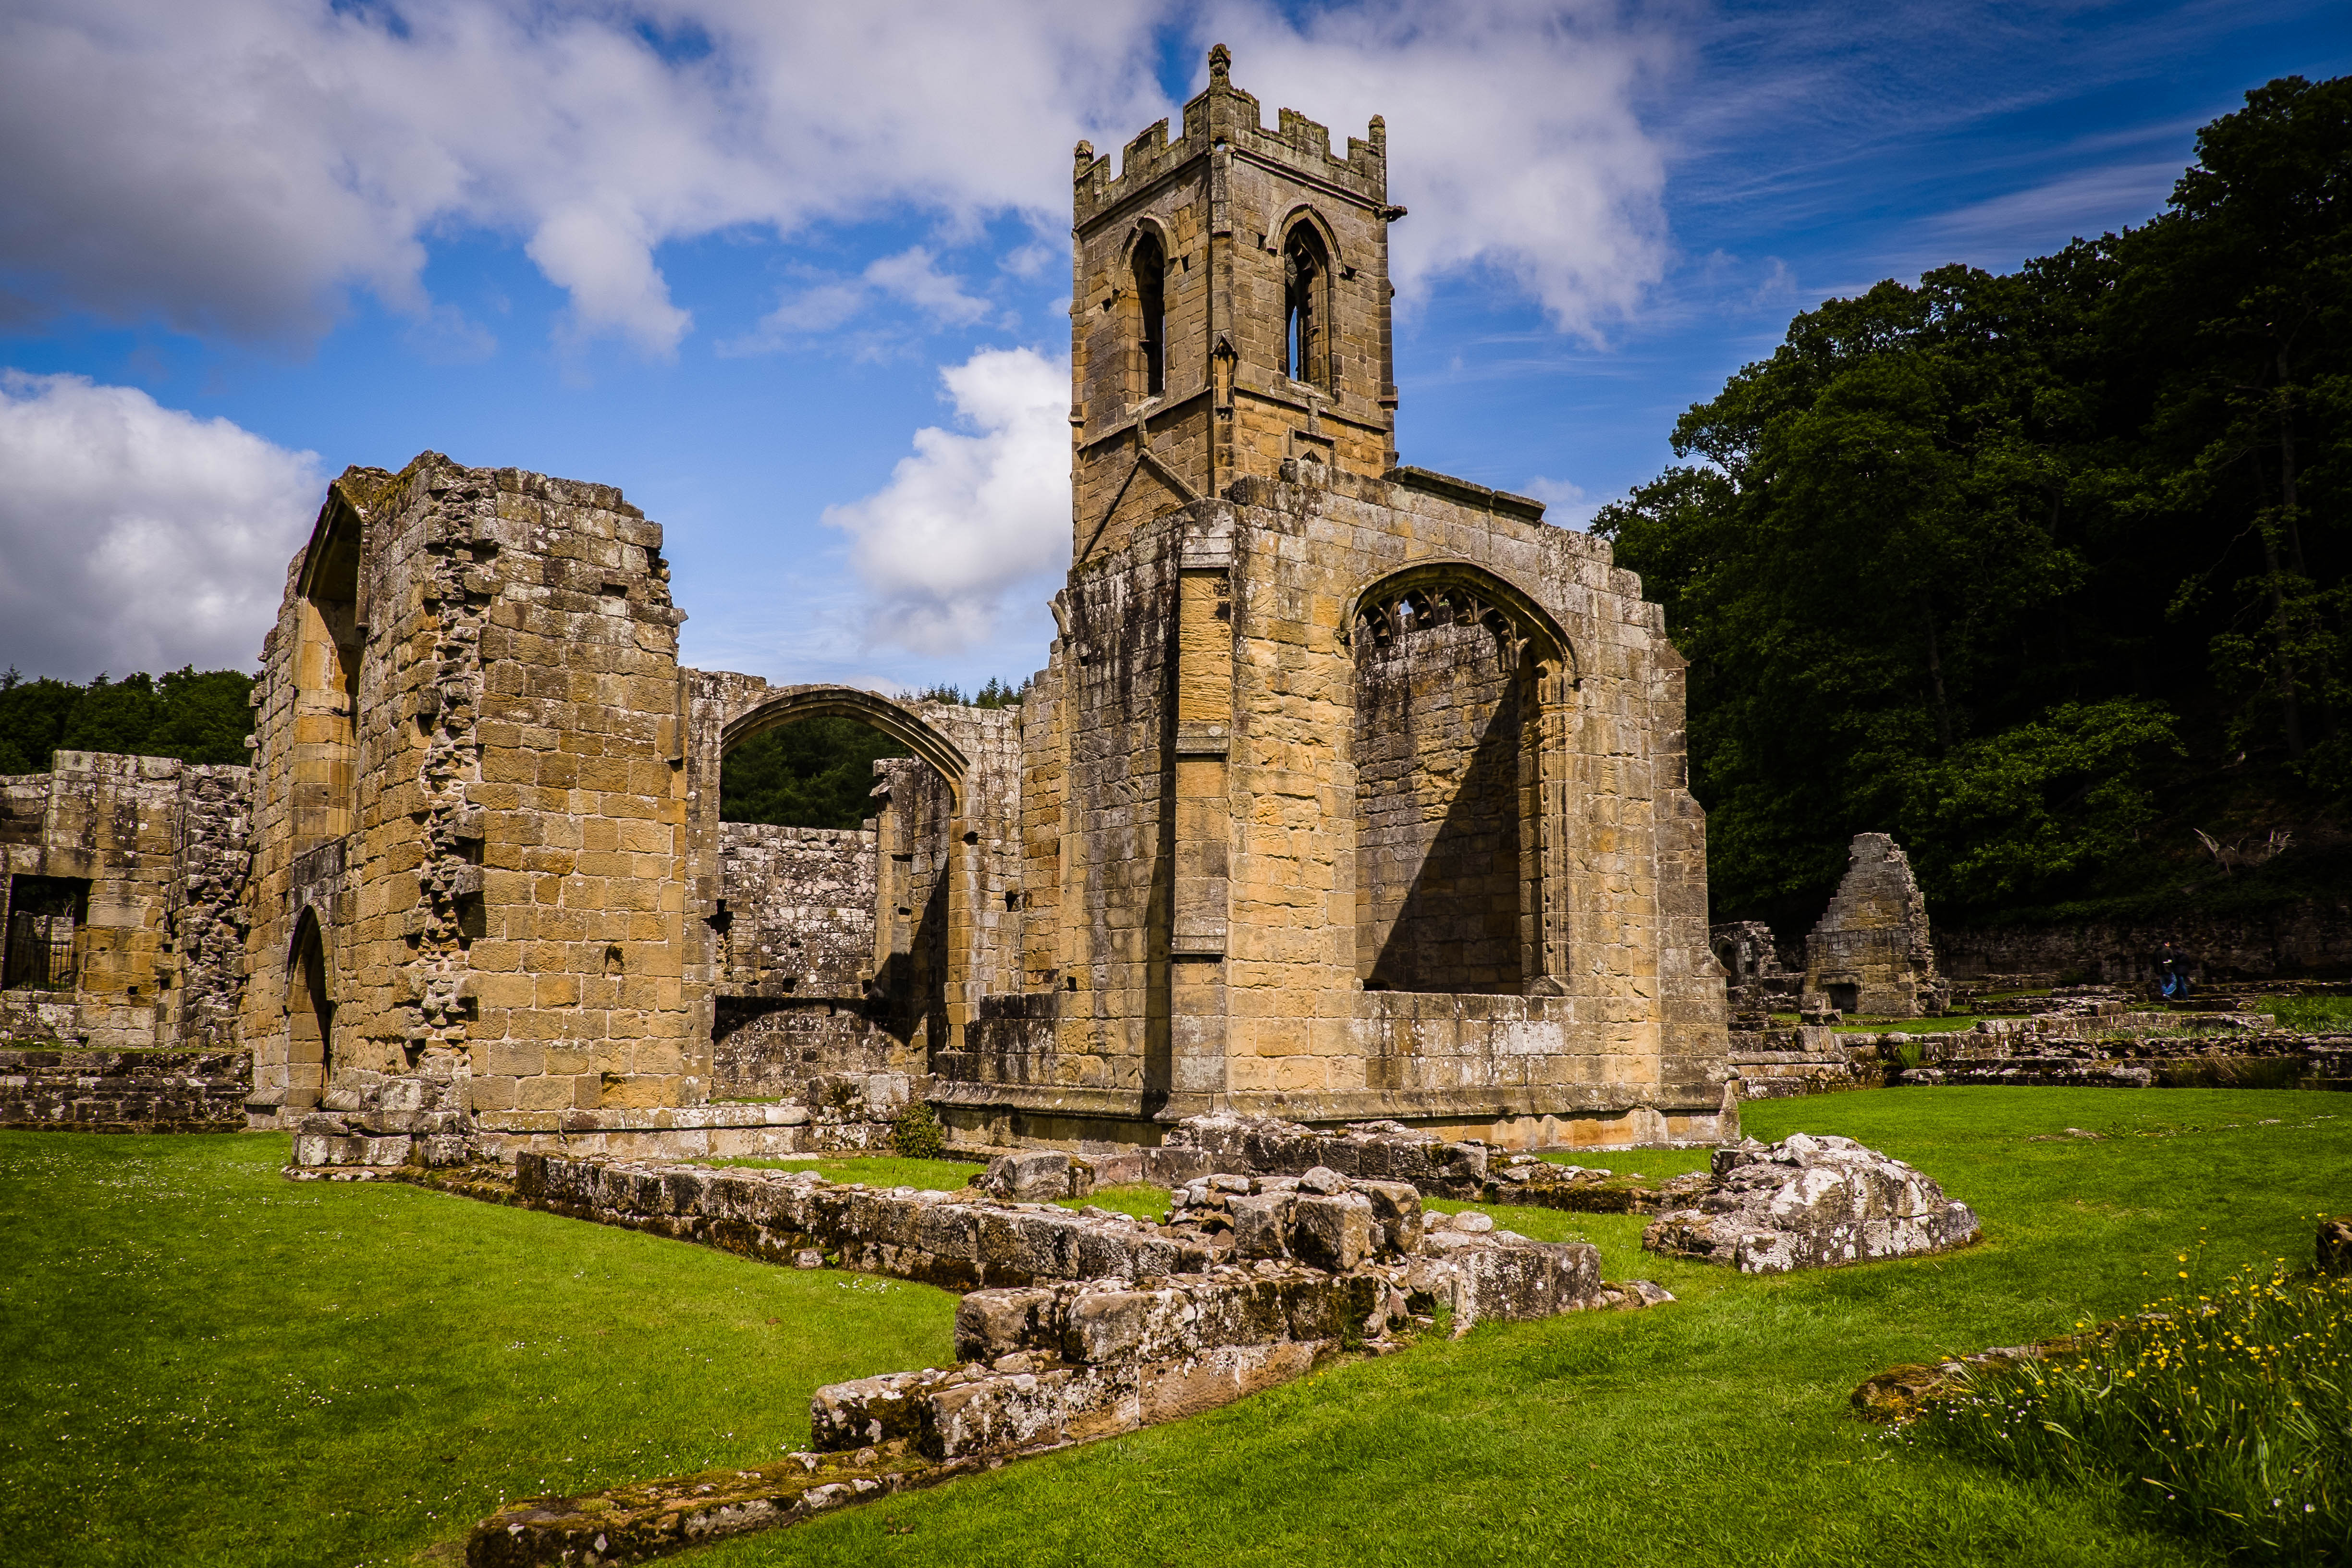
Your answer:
<point x="1151" y="304"/>
<point x="1305" y="307"/>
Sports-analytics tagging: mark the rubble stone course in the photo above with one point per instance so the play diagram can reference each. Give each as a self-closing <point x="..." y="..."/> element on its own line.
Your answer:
<point x="1810" y="1203"/>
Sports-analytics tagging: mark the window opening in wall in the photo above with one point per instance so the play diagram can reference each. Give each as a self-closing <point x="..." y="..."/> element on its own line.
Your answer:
<point x="1151" y="305"/>
<point x="812" y="772"/>
<point x="326" y="683"/>
<point x="1448" y="737"/>
<point x="1305" y="288"/>
<point x="44" y="914"/>
<point x="1845" y="999"/>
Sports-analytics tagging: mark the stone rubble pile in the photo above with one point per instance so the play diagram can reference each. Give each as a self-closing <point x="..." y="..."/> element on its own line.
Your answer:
<point x="1376" y="1151"/>
<point x="1810" y="1203"/>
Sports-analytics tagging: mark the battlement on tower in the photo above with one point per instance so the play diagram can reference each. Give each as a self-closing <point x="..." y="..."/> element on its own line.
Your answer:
<point x="1223" y="115"/>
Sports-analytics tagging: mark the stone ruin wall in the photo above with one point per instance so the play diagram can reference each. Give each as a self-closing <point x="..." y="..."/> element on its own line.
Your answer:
<point x="1240" y="809"/>
<point x="1443" y="705"/>
<point x="477" y="800"/>
<point x="1871" y="952"/>
<point x="2309" y="937"/>
<point x="153" y="853"/>
<point x="796" y="966"/>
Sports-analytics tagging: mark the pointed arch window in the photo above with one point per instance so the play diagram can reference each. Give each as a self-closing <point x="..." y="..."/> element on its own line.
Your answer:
<point x="1151" y="308"/>
<point x="1305" y="307"/>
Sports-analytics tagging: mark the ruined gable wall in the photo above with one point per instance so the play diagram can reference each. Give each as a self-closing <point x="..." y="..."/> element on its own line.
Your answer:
<point x="160" y="845"/>
<point x="1874" y="937"/>
<point x="503" y="915"/>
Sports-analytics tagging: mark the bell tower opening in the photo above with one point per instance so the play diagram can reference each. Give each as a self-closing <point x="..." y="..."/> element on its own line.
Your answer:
<point x="1305" y="270"/>
<point x="1150" y="266"/>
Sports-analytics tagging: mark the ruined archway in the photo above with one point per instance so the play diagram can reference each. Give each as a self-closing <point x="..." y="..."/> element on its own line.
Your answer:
<point x="790" y="704"/>
<point x="1461" y="688"/>
<point x="831" y="938"/>
<point x="309" y="1016"/>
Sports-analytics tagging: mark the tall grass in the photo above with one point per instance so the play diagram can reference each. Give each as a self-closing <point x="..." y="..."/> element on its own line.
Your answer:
<point x="2222" y="1413"/>
<point x="2310" y="1015"/>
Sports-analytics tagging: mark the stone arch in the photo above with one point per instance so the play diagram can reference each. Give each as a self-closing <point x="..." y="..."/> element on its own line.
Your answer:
<point x="1461" y="696"/>
<point x="331" y="636"/>
<point x="790" y="704"/>
<point x="309" y="1014"/>
<point x="1372" y="606"/>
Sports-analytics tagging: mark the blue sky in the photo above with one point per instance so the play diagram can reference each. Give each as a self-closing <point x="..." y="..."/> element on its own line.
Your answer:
<point x="794" y="277"/>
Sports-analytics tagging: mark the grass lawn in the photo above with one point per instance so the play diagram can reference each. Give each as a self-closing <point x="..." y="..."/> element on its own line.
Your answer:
<point x="202" y="1364"/>
<point x="1711" y="1432"/>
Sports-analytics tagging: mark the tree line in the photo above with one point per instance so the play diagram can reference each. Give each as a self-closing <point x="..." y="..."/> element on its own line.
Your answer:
<point x="2037" y="570"/>
<point x="195" y="717"/>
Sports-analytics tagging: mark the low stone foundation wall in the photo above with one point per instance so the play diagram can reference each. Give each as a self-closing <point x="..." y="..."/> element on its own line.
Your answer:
<point x="125" y="1091"/>
<point x="1074" y="1325"/>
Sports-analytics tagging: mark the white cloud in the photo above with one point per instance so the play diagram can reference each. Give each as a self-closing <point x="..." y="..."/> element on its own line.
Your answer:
<point x="970" y="516"/>
<point x="911" y="276"/>
<point x="1513" y="135"/>
<point x="238" y="166"/>
<point x="137" y="537"/>
<point x="1566" y="504"/>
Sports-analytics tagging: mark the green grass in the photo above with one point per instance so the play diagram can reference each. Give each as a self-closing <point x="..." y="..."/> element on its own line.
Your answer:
<point x="203" y="1364"/>
<point x="2310" y="1015"/>
<point x="2225" y="1412"/>
<point x="1936" y="1025"/>
<point x="873" y="1170"/>
<point x="1714" y="1430"/>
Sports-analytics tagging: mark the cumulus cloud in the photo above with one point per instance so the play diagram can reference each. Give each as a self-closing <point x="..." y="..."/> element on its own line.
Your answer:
<point x="970" y="515"/>
<point x="1514" y="135"/>
<point x="238" y="167"/>
<point x="135" y="536"/>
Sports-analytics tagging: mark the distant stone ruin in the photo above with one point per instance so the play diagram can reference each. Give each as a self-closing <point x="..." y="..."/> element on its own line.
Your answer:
<point x="124" y="901"/>
<point x="1870" y="951"/>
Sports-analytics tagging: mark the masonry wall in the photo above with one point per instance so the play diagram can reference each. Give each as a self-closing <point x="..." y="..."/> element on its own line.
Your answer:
<point x="158" y="851"/>
<point x="1170" y="803"/>
<point x="1871" y="951"/>
<point x="501" y="911"/>
<point x="2306" y="937"/>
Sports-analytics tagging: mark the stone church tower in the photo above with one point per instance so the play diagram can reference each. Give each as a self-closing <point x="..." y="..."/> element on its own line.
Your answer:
<point x="1230" y="312"/>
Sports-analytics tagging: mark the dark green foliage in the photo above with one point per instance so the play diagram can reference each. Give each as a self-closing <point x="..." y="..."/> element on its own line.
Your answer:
<point x="996" y="694"/>
<point x="2024" y="568"/>
<point x="818" y="772"/>
<point x="196" y="718"/>
<point x="917" y="1134"/>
